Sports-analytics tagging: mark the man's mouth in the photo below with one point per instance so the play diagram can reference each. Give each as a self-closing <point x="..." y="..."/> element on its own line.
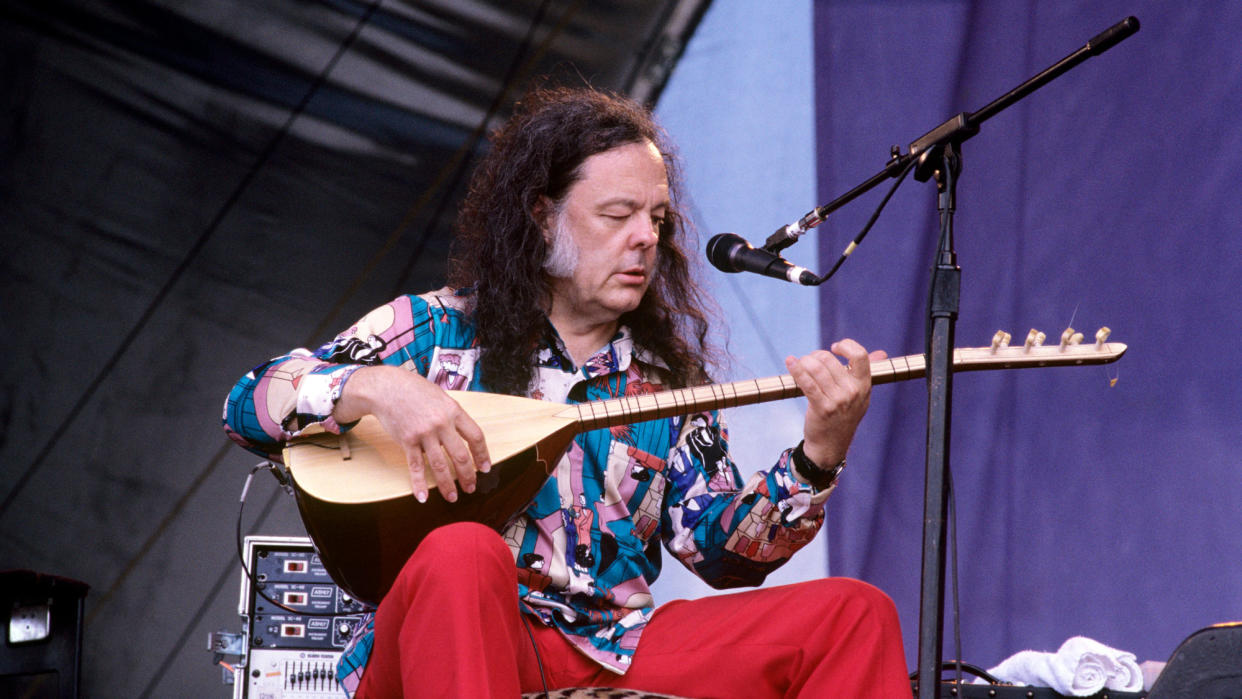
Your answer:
<point x="633" y="275"/>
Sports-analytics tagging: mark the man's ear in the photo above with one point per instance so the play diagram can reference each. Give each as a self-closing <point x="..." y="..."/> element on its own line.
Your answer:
<point x="542" y="212"/>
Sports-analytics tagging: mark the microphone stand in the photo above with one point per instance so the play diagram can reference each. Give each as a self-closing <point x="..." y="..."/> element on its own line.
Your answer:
<point x="939" y="156"/>
<point x="943" y="301"/>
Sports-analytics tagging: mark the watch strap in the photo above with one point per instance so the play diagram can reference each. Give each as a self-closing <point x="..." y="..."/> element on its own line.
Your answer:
<point x="820" y="478"/>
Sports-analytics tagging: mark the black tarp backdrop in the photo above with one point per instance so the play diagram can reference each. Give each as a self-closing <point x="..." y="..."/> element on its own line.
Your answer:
<point x="126" y="129"/>
<point x="1109" y="197"/>
<point x="184" y="186"/>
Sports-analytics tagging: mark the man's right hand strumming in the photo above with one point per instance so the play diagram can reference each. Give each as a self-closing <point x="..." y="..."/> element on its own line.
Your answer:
<point x="431" y="427"/>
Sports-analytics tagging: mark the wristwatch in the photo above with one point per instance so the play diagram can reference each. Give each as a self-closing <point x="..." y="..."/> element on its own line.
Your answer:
<point x="821" y="478"/>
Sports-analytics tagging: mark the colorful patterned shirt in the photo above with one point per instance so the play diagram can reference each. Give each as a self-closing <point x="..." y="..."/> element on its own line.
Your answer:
<point x="587" y="548"/>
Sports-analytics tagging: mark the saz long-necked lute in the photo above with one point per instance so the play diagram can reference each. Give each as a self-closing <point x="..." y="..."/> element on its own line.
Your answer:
<point x="354" y="493"/>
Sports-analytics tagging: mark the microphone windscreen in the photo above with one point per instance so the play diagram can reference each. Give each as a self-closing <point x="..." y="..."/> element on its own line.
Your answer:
<point x="720" y="250"/>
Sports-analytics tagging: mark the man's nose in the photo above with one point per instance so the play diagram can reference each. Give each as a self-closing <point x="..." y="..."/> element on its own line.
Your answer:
<point x="646" y="233"/>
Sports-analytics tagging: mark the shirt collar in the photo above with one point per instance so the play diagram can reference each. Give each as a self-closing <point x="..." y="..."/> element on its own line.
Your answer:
<point x="616" y="356"/>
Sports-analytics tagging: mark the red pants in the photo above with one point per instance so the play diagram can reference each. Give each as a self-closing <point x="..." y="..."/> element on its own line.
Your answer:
<point x="451" y="626"/>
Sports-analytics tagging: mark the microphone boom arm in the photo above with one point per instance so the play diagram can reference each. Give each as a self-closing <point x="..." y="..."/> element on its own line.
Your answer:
<point x="956" y="130"/>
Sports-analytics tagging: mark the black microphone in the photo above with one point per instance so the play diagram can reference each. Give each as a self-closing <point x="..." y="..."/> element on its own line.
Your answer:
<point x="729" y="252"/>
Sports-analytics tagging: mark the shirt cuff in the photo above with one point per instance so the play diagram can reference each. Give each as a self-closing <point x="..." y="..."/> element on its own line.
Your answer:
<point x="818" y="495"/>
<point x="318" y="392"/>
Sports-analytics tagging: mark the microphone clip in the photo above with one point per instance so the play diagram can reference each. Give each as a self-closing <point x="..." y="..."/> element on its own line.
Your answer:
<point x="788" y="235"/>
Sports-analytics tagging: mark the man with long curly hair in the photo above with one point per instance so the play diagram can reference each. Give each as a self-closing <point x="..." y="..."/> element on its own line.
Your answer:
<point x="569" y="282"/>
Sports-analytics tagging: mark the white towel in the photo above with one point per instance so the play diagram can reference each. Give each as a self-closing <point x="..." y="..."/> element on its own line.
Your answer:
<point x="1080" y="668"/>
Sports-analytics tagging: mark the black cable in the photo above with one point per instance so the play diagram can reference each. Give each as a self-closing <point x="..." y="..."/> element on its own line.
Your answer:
<point x="255" y="585"/>
<point x="538" y="659"/>
<point x="870" y="222"/>
<point x="957" y="620"/>
<point x="956" y="663"/>
<point x="193" y="625"/>
<point x="186" y="261"/>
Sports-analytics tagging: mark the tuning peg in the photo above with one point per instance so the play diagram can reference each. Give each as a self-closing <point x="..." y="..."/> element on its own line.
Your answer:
<point x="1070" y="337"/>
<point x="1101" y="336"/>
<point x="1000" y="339"/>
<point x="1034" y="339"/>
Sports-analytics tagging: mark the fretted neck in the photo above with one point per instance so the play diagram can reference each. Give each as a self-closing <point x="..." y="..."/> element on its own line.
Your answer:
<point x="684" y="401"/>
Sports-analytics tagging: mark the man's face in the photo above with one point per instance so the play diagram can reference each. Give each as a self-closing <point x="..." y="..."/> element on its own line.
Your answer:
<point x="605" y="232"/>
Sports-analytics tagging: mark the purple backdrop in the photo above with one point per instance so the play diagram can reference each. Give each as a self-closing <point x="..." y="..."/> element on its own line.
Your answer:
<point x="1109" y="197"/>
